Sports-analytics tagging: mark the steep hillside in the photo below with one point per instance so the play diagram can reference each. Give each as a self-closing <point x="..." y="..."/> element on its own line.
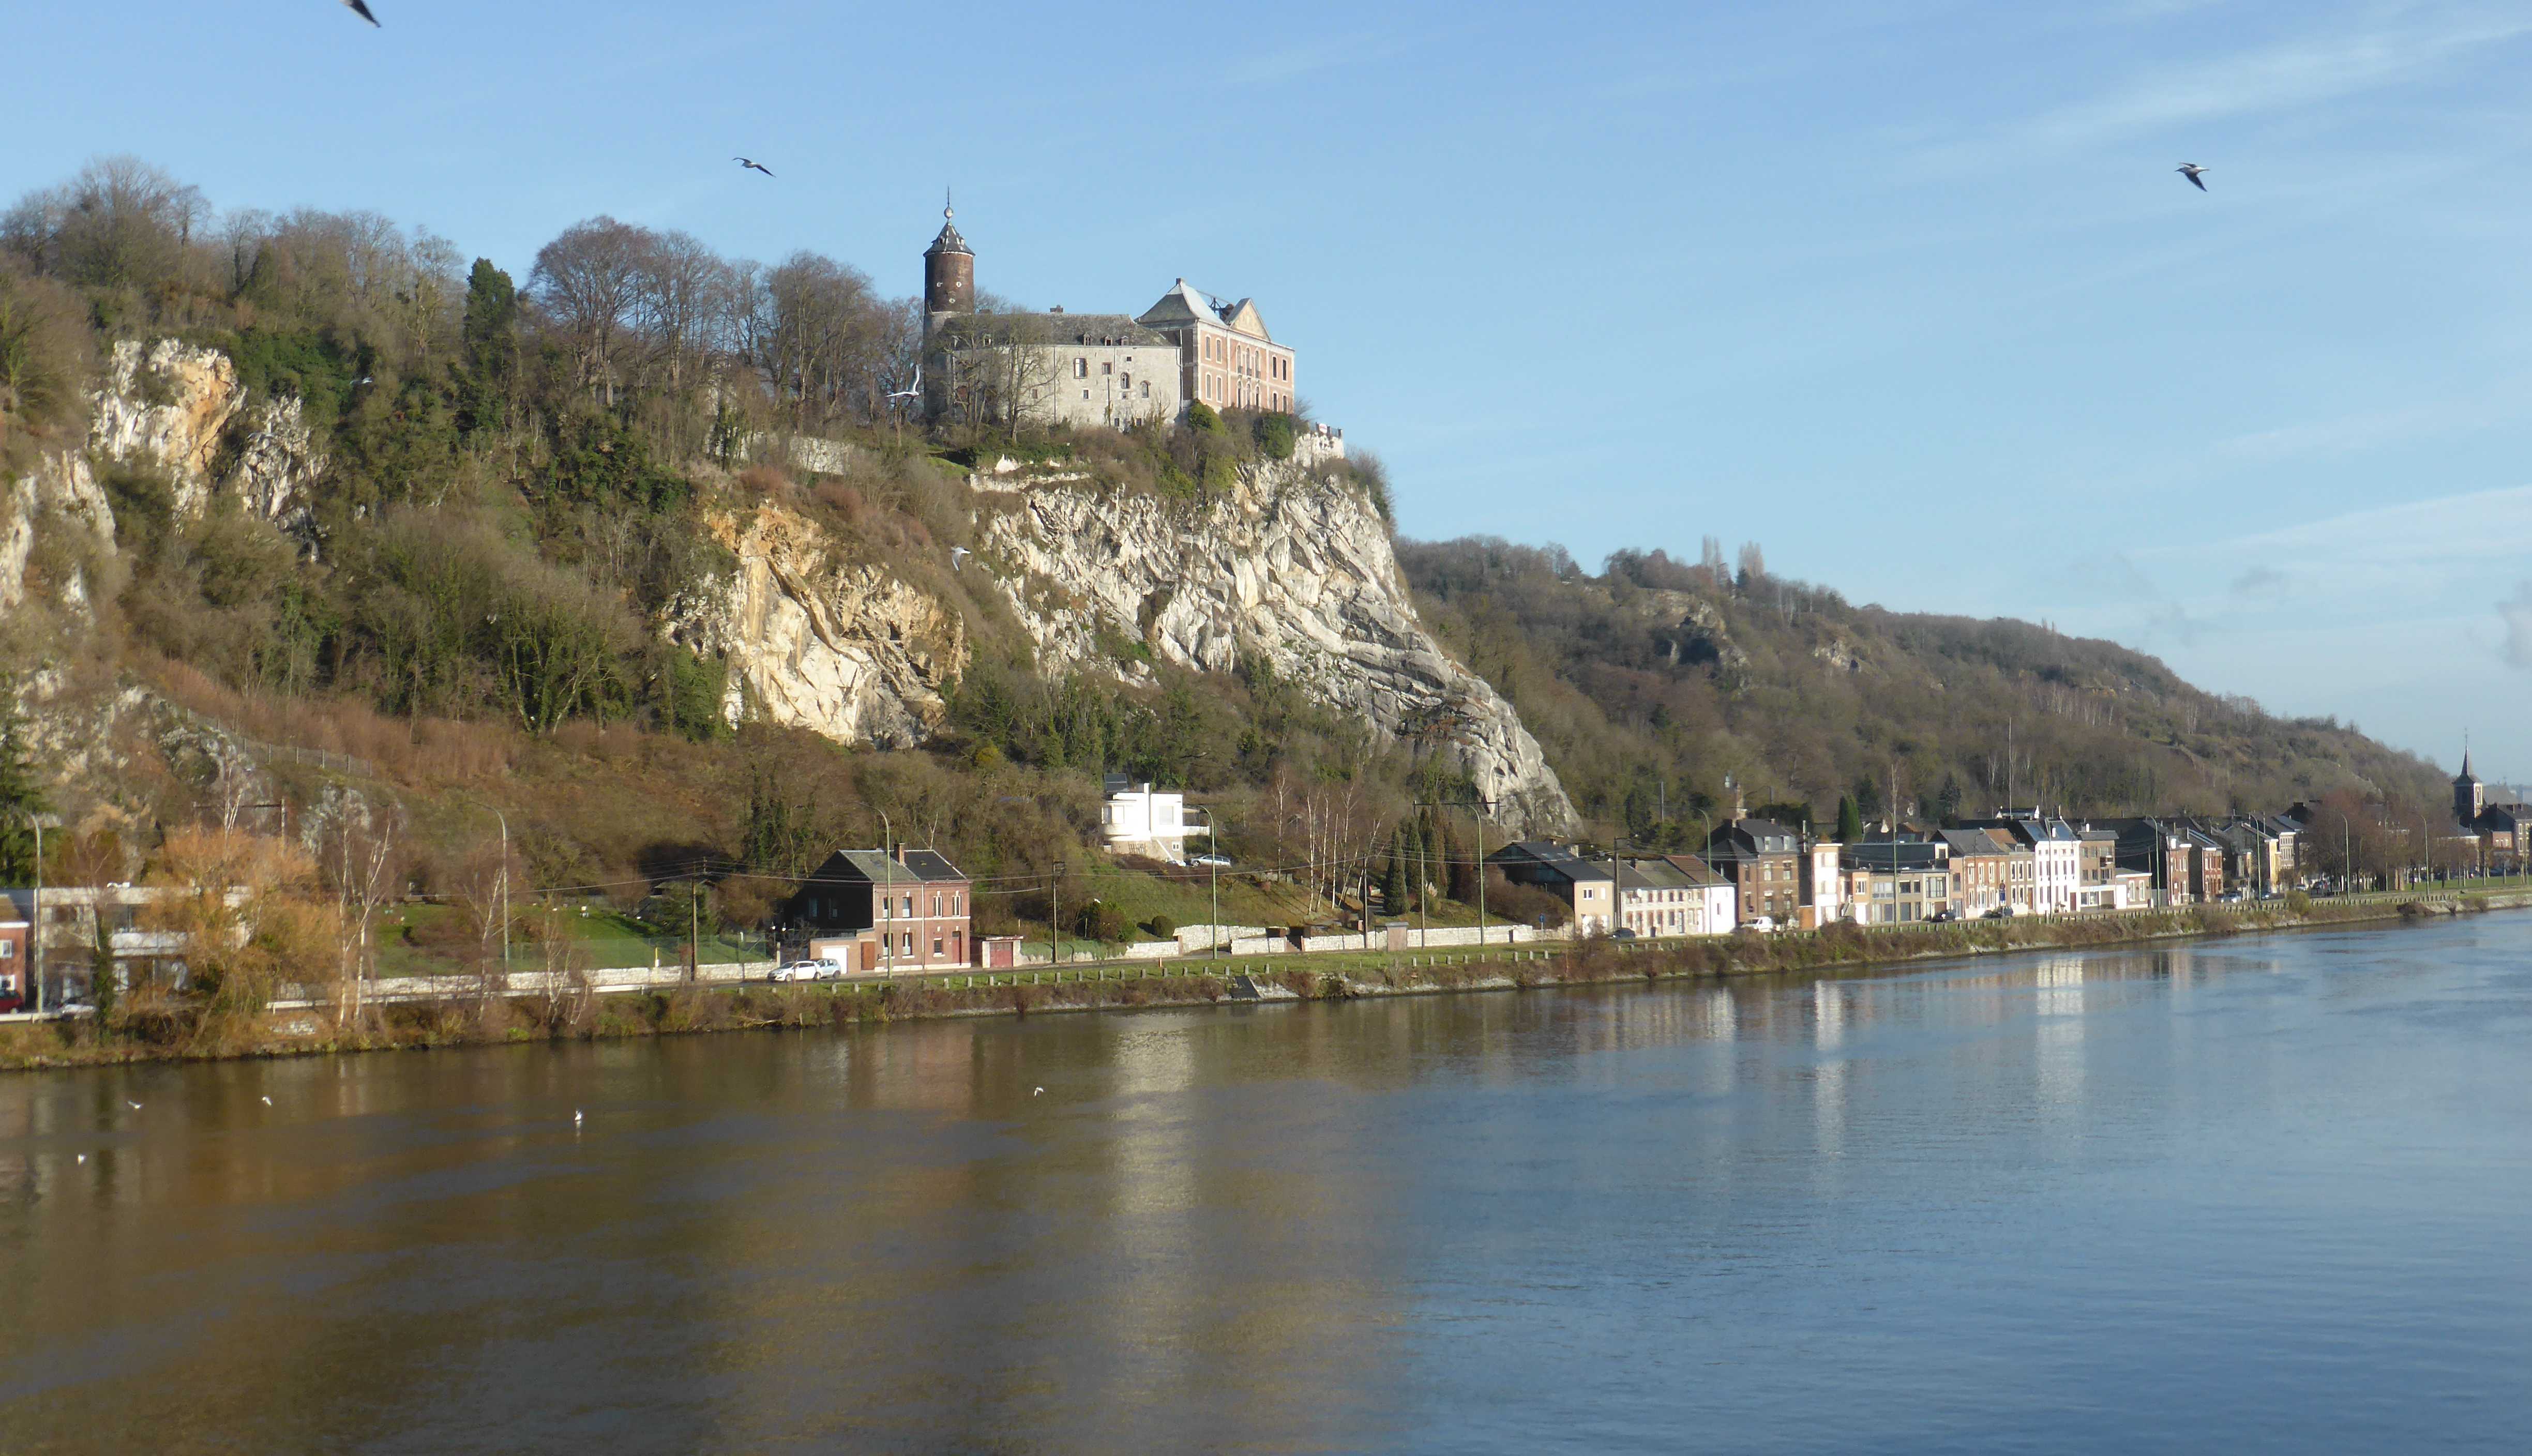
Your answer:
<point x="1652" y="682"/>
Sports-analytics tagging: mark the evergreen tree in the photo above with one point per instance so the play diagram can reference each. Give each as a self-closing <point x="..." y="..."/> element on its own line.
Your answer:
<point x="1849" y="819"/>
<point x="489" y="343"/>
<point x="20" y="797"/>
<point x="1393" y="884"/>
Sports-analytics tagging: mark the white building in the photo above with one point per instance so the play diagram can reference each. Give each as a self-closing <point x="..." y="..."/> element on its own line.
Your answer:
<point x="1673" y="896"/>
<point x="1139" y="820"/>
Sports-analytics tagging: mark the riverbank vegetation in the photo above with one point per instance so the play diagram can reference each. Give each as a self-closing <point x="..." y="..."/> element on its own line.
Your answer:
<point x="567" y="1008"/>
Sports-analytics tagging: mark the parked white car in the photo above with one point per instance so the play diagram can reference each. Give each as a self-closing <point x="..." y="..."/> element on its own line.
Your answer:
<point x="829" y="969"/>
<point x="1762" y="924"/>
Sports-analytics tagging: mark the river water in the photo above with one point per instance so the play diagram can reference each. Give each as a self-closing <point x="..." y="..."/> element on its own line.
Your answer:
<point x="2256" y="1195"/>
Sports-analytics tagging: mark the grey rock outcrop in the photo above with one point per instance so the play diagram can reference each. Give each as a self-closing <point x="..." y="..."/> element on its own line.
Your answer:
<point x="61" y="495"/>
<point x="1293" y="568"/>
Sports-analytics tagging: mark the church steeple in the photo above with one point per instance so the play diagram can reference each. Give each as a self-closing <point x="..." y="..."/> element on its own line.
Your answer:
<point x="2470" y="798"/>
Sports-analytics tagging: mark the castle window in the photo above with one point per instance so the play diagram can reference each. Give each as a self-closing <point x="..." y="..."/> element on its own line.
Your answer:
<point x="1107" y="366"/>
<point x="1081" y="368"/>
<point x="1085" y="394"/>
<point x="1126" y="378"/>
<point x="1147" y="389"/>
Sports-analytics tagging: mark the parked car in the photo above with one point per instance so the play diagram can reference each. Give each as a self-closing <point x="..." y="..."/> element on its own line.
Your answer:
<point x="826" y="969"/>
<point x="2000" y="912"/>
<point x="1760" y="924"/>
<point x="9" y="1002"/>
<point x="1622" y="934"/>
<point x="1219" y="860"/>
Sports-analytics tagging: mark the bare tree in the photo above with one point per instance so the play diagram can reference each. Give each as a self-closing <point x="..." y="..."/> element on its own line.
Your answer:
<point x="361" y="862"/>
<point x="589" y="281"/>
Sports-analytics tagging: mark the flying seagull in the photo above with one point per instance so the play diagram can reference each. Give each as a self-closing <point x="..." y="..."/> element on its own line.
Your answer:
<point x="127" y="1102"/>
<point x="2193" y="172"/>
<point x="268" y="1101"/>
<point x="913" y="391"/>
<point x="958" y="558"/>
<point x="361" y="8"/>
<point x="1041" y="1092"/>
<point x="742" y="161"/>
<point x="575" y="1117"/>
<point x="82" y="1157"/>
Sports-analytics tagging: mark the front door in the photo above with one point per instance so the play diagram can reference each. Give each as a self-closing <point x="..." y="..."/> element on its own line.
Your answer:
<point x="869" y="955"/>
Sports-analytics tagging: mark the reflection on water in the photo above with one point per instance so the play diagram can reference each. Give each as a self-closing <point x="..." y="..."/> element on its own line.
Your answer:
<point x="2278" y="1184"/>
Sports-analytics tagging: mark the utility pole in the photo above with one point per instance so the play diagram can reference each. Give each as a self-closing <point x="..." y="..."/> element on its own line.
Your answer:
<point x="1054" y="916"/>
<point x="888" y="896"/>
<point x="694" y="930"/>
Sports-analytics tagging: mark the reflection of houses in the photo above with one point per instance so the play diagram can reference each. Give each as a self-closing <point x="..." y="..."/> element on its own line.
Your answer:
<point x="1139" y="820"/>
<point x="875" y="913"/>
<point x="1588" y="889"/>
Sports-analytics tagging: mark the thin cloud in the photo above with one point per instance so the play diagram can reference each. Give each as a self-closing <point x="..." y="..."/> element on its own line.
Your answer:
<point x="2280" y="78"/>
<point x="2259" y="581"/>
<point x="2515" y="613"/>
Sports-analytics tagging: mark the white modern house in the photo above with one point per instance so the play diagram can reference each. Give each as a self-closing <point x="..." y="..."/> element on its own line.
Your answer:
<point x="1139" y="820"/>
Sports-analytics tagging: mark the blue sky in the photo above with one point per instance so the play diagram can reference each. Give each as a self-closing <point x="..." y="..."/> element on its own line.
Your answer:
<point x="1907" y="292"/>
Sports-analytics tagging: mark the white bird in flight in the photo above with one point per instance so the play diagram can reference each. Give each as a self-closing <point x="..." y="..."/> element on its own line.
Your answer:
<point x="361" y="8"/>
<point x="753" y="166"/>
<point x="575" y="1117"/>
<point x="82" y="1157"/>
<point x="958" y="558"/>
<point x="1038" y="1091"/>
<point x="2193" y="172"/>
<point x="127" y="1102"/>
<point x="268" y="1101"/>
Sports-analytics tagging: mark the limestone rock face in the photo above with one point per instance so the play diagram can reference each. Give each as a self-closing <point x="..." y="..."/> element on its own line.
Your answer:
<point x="841" y="648"/>
<point x="61" y="495"/>
<point x="182" y="409"/>
<point x="1286" y="565"/>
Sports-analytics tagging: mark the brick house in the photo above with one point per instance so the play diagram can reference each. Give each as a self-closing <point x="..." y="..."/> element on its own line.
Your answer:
<point x="1904" y="880"/>
<point x="1764" y="860"/>
<point x="17" y="950"/>
<point x="876" y="914"/>
<point x="1983" y="872"/>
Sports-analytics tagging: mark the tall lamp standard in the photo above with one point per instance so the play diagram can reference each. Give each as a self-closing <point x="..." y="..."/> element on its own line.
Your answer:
<point x="1213" y="858"/>
<point x="505" y="876"/>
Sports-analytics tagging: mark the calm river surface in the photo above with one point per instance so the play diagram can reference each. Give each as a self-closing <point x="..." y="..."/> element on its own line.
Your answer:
<point x="2260" y="1195"/>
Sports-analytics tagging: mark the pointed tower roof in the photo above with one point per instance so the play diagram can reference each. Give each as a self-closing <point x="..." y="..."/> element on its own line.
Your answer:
<point x="2464" y="777"/>
<point x="948" y="240"/>
<point x="1180" y="307"/>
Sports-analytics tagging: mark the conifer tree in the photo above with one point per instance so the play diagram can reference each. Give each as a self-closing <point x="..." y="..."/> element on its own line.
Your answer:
<point x="20" y="797"/>
<point x="1849" y="819"/>
<point x="1393" y="884"/>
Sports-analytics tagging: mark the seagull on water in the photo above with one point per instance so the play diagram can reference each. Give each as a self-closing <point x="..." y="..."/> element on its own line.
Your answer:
<point x="361" y="8"/>
<point x="743" y="162"/>
<point x="2193" y="172"/>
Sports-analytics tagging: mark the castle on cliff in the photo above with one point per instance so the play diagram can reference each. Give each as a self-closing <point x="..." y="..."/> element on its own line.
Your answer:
<point x="1009" y="366"/>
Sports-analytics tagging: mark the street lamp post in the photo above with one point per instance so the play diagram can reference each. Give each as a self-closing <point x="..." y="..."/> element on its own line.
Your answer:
<point x="505" y="876"/>
<point x="1213" y="858"/>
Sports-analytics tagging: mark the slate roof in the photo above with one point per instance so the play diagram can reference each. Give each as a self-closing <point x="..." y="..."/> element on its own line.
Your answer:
<point x="1551" y="855"/>
<point x="1748" y="839"/>
<point x="1654" y="874"/>
<point x="1051" y="330"/>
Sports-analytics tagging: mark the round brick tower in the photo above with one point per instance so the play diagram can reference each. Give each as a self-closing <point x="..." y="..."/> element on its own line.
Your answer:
<point x="949" y="273"/>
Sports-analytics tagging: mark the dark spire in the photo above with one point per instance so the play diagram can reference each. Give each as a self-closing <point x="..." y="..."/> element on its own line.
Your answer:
<point x="948" y="240"/>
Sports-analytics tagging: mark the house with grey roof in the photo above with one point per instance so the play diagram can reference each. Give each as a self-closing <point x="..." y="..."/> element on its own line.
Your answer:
<point x="1674" y="895"/>
<point x="878" y="913"/>
<point x="1589" y="888"/>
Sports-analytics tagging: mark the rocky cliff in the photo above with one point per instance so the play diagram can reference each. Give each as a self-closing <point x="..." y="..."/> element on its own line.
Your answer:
<point x="1287" y="565"/>
<point x="182" y="409"/>
<point x="814" y="642"/>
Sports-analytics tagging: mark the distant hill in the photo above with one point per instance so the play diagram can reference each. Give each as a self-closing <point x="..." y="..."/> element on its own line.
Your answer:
<point x="1648" y="684"/>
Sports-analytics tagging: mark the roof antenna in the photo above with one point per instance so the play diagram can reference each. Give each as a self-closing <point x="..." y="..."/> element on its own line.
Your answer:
<point x="947" y="212"/>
